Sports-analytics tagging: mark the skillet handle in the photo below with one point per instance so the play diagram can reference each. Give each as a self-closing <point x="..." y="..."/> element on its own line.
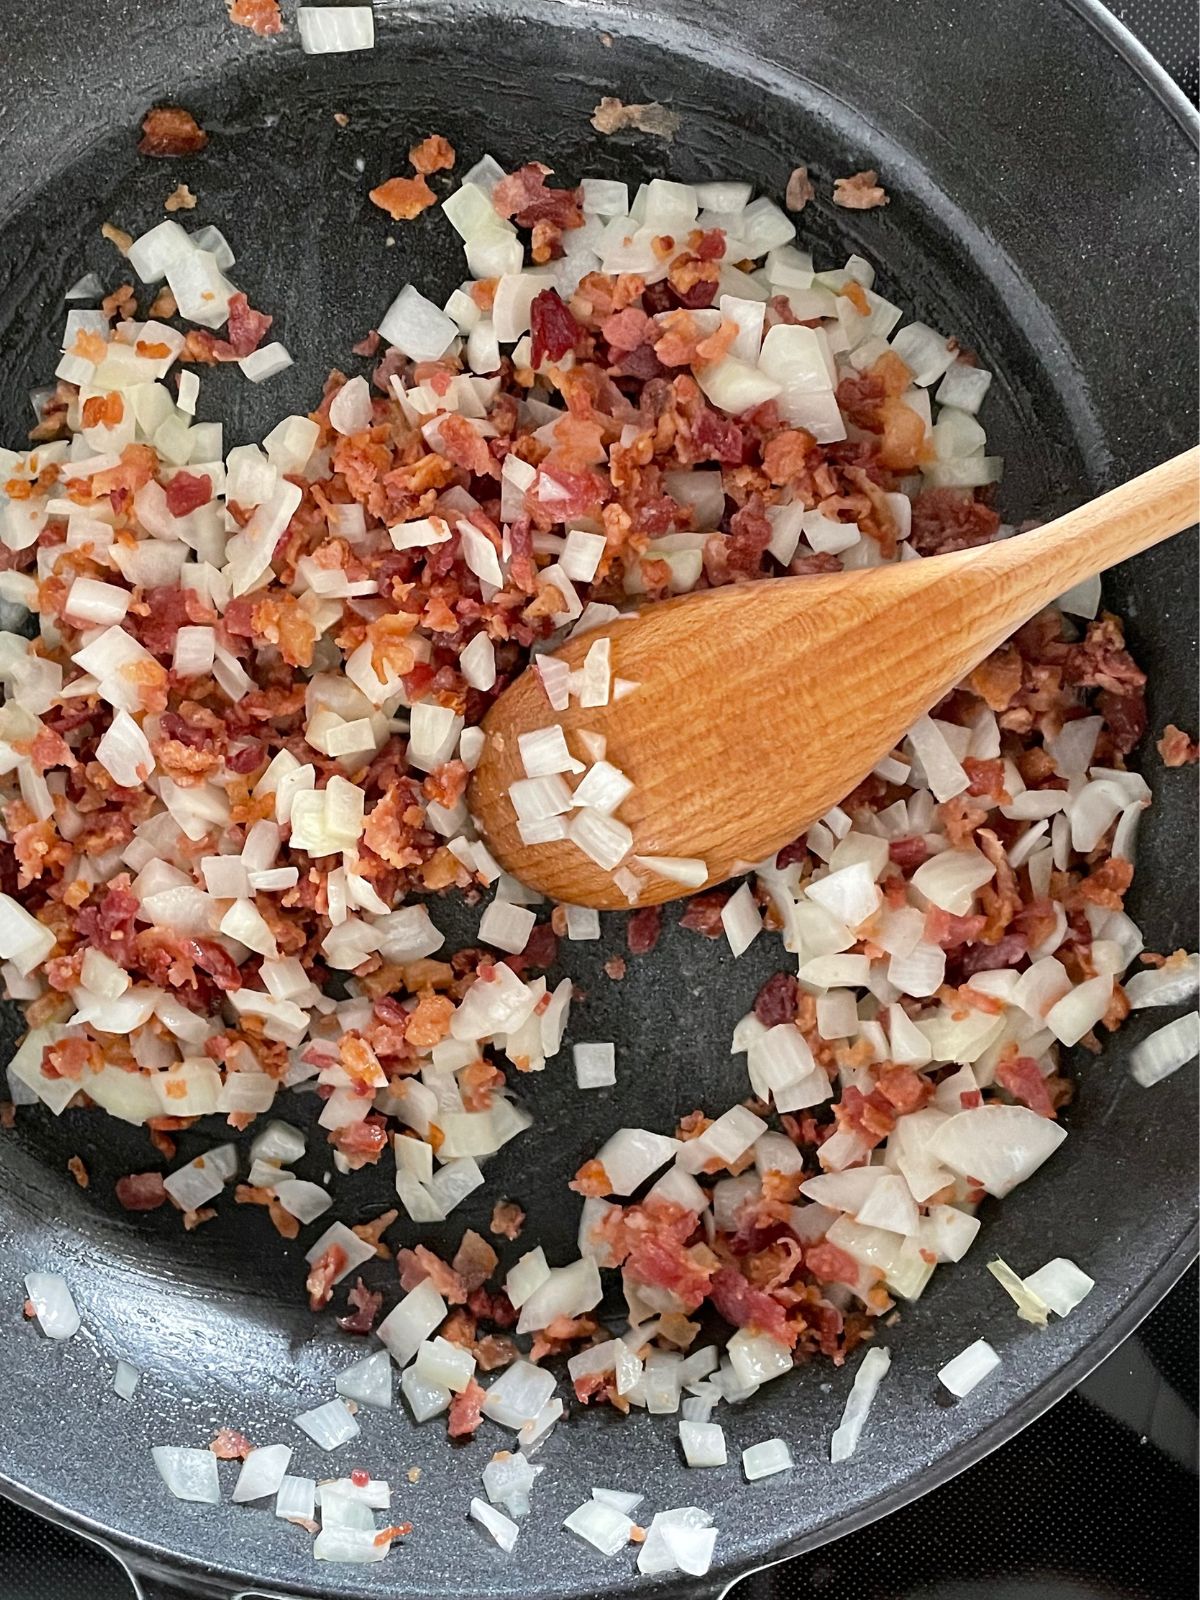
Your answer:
<point x="155" y="1583"/>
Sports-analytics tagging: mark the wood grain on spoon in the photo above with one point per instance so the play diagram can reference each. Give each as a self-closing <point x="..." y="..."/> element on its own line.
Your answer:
<point x="761" y="705"/>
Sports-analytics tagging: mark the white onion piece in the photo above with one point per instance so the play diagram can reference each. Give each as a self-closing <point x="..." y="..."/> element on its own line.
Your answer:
<point x="502" y="1529"/>
<point x="506" y="926"/>
<point x="449" y="1366"/>
<point x="189" y="1474"/>
<point x="508" y="1480"/>
<point x="687" y="870"/>
<point x="411" y="1322"/>
<point x="518" y="1394"/>
<point x="762" y="1460"/>
<point x="757" y="1358"/>
<point x="943" y="771"/>
<point x="1080" y="1009"/>
<point x="871" y="1371"/>
<point x="263" y="1471"/>
<point x="1169" y="985"/>
<point x="595" y="1065"/>
<point x="1060" y="1284"/>
<point x="126" y="1379"/>
<point x="999" y="1146"/>
<point x="602" y="838"/>
<point x="631" y="1155"/>
<point x="656" y="1554"/>
<point x="304" y="1201"/>
<point x="369" y="1381"/>
<point x="741" y="920"/>
<point x="969" y="1368"/>
<point x="330" y="1425"/>
<point x="349" y="1546"/>
<point x="603" y="788"/>
<point x="1165" y="1051"/>
<point x="703" y="1444"/>
<point x="355" y="1251"/>
<point x="296" y="1499"/>
<point x="605" y="1527"/>
<point x="53" y="1305"/>
<point x="568" y="1292"/>
<point x="425" y="1400"/>
<point x="351" y="407"/>
<point x="1030" y="1305"/>
<point x="326" y="30"/>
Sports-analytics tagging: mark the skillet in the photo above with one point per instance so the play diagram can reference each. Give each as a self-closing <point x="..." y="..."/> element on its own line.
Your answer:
<point x="1041" y="172"/>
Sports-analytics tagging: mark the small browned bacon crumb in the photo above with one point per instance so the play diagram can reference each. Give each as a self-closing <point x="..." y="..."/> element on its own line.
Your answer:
<point x="799" y="190"/>
<point x="163" y="305"/>
<point x="260" y="16"/>
<point x="413" y="1474"/>
<point x="403" y="198"/>
<point x="862" y="191"/>
<point x="398" y="1530"/>
<point x="121" y="304"/>
<point x="116" y="236"/>
<point x="342" y="119"/>
<point x="507" y="1219"/>
<point x="180" y="198"/>
<point x="78" y="1171"/>
<point x="8" y="1115"/>
<point x="230" y="1445"/>
<point x="1177" y="748"/>
<point x="141" y="1191"/>
<point x="614" y="116"/>
<point x="171" y="131"/>
<point x="434" y="154"/>
<point x="616" y="968"/>
<point x="466" y="1411"/>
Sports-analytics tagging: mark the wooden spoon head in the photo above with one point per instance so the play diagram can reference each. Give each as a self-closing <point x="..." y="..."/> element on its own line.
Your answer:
<point x="734" y="739"/>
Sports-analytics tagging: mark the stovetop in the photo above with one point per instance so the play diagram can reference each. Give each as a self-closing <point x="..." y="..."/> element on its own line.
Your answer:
<point x="1097" y="1500"/>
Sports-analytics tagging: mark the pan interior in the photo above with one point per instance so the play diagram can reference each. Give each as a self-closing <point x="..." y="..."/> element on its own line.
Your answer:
<point x="217" y="1318"/>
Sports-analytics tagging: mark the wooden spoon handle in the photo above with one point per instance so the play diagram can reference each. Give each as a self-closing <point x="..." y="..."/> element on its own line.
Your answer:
<point x="1008" y="582"/>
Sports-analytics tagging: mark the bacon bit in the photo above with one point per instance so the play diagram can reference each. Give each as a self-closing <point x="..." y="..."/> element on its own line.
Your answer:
<point x="78" y="1171"/>
<point x="117" y="236"/>
<point x="121" y="305"/>
<point x="403" y="198"/>
<point x="429" y="1023"/>
<point x="180" y="198"/>
<point x="434" y="154"/>
<point x="171" y="131"/>
<point x="420" y="1263"/>
<point x="141" y="1191"/>
<point x="776" y="1001"/>
<point x="591" y="1180"/>
<point x="102" y="411"/>
<point x="465" y="1411"/>
<point x="703" y="914"/>
<point x="859" y="192"/>
<point x="952" y="519"/>
<point x="799" y="190"/>
<point x="8" y="1115"/>
<point x="163" y="306"/>
<point x="187" y="492"/>
<point x="613" y="116"/>
<point x="229" y="1445"/>
<point x="1177" y="748"/>
<point x="1025" y="1083"/>
<point x="413" y="1474"/>
<point x="398" y="1530"/>
<point x="324" y="1270"/>
<point x="643" y="929"/>
<point x="260" y="16"/>
<point x="365" y="1304"/>
<point x="615" y="968"/>
<point x="474" y="1260"/>
<point x="555" y="331"/>
<point x="507" y="1219"/>
<point x="372" y="1232"/>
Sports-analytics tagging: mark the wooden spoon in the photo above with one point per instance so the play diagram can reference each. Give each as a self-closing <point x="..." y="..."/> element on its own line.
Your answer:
<point x="761" y="705"/>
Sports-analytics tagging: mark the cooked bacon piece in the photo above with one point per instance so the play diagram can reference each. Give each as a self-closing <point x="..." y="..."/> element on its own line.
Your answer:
<point x="141" y="1191"/>
<point x="1025" y="1083"/>
<point x="799" y="189"/>
<point x="507" y="1219"/>
<point x="474" y="1261"/>
<point x="434" y="154"/>
<point x="776" y="1001"/>
<point x="747" y="1307"/>
<point x="365" y="1304"/>
<point x="246" y="327"/>
<point x="187" y="491"/>
<point x="78" y="1171"/>
<point x="230" y="1445"/>
<point x="703" y="914"/>
<point x="171" y="131"/>
<point x="1177" y="748"/>
<point x="420" y="1263"/>
<point x="950" y="519"/>
<point x="403" y="198"/>
<point x="613" y="116"/>
<point x="523" y="195"/>
<point x="554" y="329"/>
<point x="643" y="929"/>
<point x="260" y="16"/>
<point x="861" y="191"/>
<point x="324" y="1270"/>
<point x="465" y="1411"/>
<point x="180" y="198"/>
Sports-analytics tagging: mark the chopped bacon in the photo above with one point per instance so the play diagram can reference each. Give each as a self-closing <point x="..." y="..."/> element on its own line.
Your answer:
<point x="141" y="1191"/>
<point x="474" y="1260"/>
<point x="434" y="154"/>
<point x="325" y="1269"/>
<point x="1025" y="1083"/>
<point x="403" y="198"/>
<point x="555" y="331"/>
<point x="799" y="189"/>
<point x="260" y="16"/>
<point x="1177" y="748"/>
<point x="187" y="491"/>
<point x="246" y="327"/>
<point x="950" y="519"/>
<point x="523" y="195"/>
<point x="861" y="191"/>
<point x="703" y="914"/>
<point x="465" y="1411"/>
<point x="365" y="1304"/>
<point x="643" y="929"/>
<point x="171" y="131"/>
<point x="507" y="1219"/>
<point x="78" y="1171"/>
<point x="614" y="116"/>
<point x="776" y="1001"/>
<point x="747" y="1307"/>
<point x="420" y="1263"/>
<point x="230" y="1445"/>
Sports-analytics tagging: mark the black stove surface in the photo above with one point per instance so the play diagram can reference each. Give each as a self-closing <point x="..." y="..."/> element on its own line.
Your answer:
<point x="1097" y="1500"/>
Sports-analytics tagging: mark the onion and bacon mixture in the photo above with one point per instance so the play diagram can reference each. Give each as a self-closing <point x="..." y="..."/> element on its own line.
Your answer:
<point x="235" y="756"/>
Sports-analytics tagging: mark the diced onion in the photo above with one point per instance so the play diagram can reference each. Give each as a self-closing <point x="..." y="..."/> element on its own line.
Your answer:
<point x="969" y="1368"/>
<point x="1165" y="1051"/>
<point x="330" y="1426"/>
<point x="1060" y="1284"/>
<point x="326" y="30"/>
<point x="189" y="1474"/>
<point x="871" y="1371"/>
<point x="53" y="1305"/>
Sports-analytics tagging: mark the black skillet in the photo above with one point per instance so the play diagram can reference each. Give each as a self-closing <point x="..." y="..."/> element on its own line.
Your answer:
<point x="1041" y="170"/>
